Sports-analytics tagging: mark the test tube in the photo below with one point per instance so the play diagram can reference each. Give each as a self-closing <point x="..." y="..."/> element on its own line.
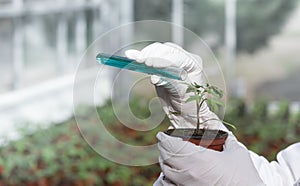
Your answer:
<point x="130" y="64"/>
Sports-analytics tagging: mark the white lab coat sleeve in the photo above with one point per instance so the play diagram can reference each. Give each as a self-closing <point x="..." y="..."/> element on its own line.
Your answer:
<point x="289" y="159"/>
<point x="285" y="171"/>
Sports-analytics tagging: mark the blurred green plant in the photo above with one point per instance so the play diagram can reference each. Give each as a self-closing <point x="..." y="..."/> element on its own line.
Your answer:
<point x="256" y="20"/>
<point x="59" y="156"/>
<point x="262" y="130"/>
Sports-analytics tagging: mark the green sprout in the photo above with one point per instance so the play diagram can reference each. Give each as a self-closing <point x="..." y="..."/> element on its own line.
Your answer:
<point x="210" y="94"/>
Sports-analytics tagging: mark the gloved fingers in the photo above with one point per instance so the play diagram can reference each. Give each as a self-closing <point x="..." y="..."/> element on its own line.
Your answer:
<point x="132" y="54"/>
<point x="158" y="81"/>
<point x="168" y="87"/>
<point x="182" y="61"/>
<point x="179" y="154"/>
<point x="171" y="88"/>
<point x="195" y="58"/>
<point x="179" y="49"/>
<point x="161" y="61"/>
<point x="173" y="175"/>
<point x="171" y="147"/>
<point x="176" y="161"/>
<point x="152" y="55"/>
<point x="161" y="55"/>
<point x="184" y="161"/>
<point x="154" y="50"/>
<point x="167" y="59"/>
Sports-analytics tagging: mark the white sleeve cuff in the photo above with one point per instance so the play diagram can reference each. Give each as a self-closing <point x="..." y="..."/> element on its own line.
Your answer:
<point x="271" y="173"/>
<point x="289" y="159"/>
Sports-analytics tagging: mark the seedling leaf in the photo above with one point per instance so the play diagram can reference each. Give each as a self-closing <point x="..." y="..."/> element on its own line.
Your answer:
<point x="193" y="98"/>
<point x="190" y="89"/>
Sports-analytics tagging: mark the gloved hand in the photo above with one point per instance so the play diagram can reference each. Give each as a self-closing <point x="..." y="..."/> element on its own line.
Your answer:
<point x="172" y="92"/>
<point x="184" y="163"/>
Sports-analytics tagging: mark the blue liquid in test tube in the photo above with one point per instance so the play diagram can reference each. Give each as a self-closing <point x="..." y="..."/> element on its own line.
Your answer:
<point x="130" y="64"/>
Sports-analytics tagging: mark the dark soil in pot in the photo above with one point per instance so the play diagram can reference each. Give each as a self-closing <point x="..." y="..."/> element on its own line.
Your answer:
<point x="211" y="139"/>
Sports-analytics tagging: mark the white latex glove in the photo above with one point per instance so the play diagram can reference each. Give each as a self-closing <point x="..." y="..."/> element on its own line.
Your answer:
<point x="284" y="171"/>
<point x="172" y="92"/>
<point x="184" y="163"/>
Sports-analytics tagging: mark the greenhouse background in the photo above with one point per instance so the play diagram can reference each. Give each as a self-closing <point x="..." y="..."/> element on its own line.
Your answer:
<point x="43" y="42"/>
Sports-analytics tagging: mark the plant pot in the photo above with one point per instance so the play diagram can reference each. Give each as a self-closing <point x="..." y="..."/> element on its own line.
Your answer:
<point x="208" y="138"/>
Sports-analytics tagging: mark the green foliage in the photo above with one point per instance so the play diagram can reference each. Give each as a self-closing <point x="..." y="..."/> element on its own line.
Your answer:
<point x="59" y="155"/>
<point x="210" y="94"/>
<point x="257" y="20"/>
<point x="261" y="130"/>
